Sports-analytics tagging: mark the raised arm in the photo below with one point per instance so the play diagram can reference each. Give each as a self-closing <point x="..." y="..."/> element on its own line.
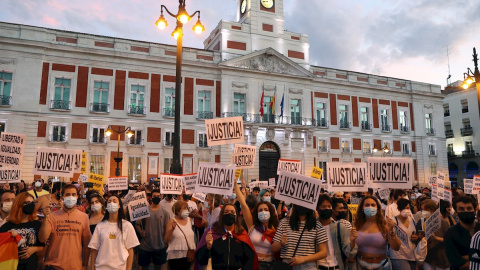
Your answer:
<point x="46" y="228"/>
<point x="247" y="215"/>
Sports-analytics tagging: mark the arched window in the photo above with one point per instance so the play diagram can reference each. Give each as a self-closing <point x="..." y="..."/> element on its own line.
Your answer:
<point x="452" y="169"/>
<point x="471" y="168"/>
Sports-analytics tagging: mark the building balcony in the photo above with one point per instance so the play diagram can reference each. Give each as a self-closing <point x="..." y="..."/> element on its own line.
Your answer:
<point x="5" y="100"/>
<point x="99" y="107"/>
<point x="449" y="133"/>
<point x="60" y="105"/>
<point x="202" y="115"/>
<point x="386" y="128"/>
<point x="406" y="152"/>
<point x="137" y="110"/>
<point x="367" y="150"/>
<point x="430" y="131"/>
<point x="432" y="152"/>
<point x="468" y="153"/>
<point x="62" y="138"/>
<point x="235" y="114"/>
<point x="366" y="126"/>
<point x="98" y="140"/>
<point x="323" y="149"/>
<point x="169" y="112"/>
<point x="271" y="119"/>
<point x="404" y="129"/>
<point x="203" y="144"/>
<point x="135" y="142"/>
<point x="347" y="150"/>
<point x="321" y="123"/>
<point x="465" y="109"/>
<point x="168" y="143"/>
<point x="446" y="113"/>
<point x="466" y="131"/>
<point x="345" y="125"/>
<point x="451" y="154"/>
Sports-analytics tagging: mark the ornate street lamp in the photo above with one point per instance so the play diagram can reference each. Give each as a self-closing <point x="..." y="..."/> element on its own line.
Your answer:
<point x="385" y="149"/>
<point x="182" y="18"/>
<point x="473" y="77"/>
<point x="119" y="131"/>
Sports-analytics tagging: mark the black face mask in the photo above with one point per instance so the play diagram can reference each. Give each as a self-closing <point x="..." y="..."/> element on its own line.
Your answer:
<point x="342" y="215"/>
<point x="301" y="210"/>
<point x="156" y="200"/>
<point x="28" y="209"/>
<point x="57" y="195"/>
<point x="466" y="217"/>
<point x="169" y="196"/>
<point x="228" y="219"/>
<point x="186" y="197"/>
<point x="325" y="213"/>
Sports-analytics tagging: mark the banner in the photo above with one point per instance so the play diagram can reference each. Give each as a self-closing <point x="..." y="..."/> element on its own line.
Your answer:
<point x="447" y="195"/>
<point x="97" y="181"/>
<point x="12" y="148"/>
<point x="271" y="182"/>
<point x="217" y="178"/>
<point x="10" y="175"/>
<point x="83" y="169"/>
<point x="432" y="224"/>
<point x="440" y="185"/>
<point x="118" y="183"/>
<point x="199" y="196"/>
<point x="171" y="184"/>
<point x="468" y="186"/>
<point x="222" y="131"/>
<point x="298" y="189"/>
<point x="347" y="176"/>
<point x="401" y="234"/>
<point x="289" y="165"/>
<point x="384" y="194"/>
<point x="260" y="184"/>
<point x="138" y="206"/>
<point x="244" y="160"/>
<point x="316" y="173"/>
<point x="56" y="162"/>
<point x="190" y="180"/>
<point x="390" y="172"/>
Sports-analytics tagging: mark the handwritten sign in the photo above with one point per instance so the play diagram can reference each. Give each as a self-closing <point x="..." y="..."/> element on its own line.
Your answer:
<point x="56" y="162"/>
<point x="347" y="176"/>
<point x="298" y="189"/>
<point x="215" y="178"/>
<point x="83" y="178"/>
<point x="12" y="148"/>
<point x="118" y="183"/>
<point x="391" y="172"/>
<point x="10" y="175"/>
<point x="289" y="165"/>
<point x="316" y="173"/>
<point x="476" y="184"/>
<point x="83" y="169"/>
<point x="447" y="195"/>
<point x="97" y="181"/>
<point x="190" y="180"/>
<point x="171" y="184"/>
<point x="401" y="234"/>
<point x="432" y="224"/>
<point x="353" y="208"/>
<point x="440" y="185"/>
<point x="271" y="182"/>
<point x="468" y="186"/>
<point x="355" y="200"/>
<point x="199" y="196"/>
<point x="434" y="193"/>
<point x="384" y="194"/>
<point x="221" y="131"/>
<point x="260" y="184"/>
<point x="432" y="180"/>
<point x="138" y="206"/>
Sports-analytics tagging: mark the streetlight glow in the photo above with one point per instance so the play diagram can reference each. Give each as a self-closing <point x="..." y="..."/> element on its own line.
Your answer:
<point x="198" y="27"/>
<point x="161" y="23"/>
<point x="469" y="80"/>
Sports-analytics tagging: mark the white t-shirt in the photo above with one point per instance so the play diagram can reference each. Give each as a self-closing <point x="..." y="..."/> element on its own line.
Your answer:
<point x="112" y="245"/>
<point x="330" y="260"/>
<point x="392" y="210"/>
<point x="168" y="206"/>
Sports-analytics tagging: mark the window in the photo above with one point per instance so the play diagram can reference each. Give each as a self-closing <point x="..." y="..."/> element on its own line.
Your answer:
<point x="136" y="139"/>
<point x="203" y="105"/>
<point x="343" y="116"/>
<point x="450" y="150"/>
<point x="59" y="133"/>
<point x="169" y="138"/>
<point x="5" y="88"/>
<point x="446" y="110"/>
<point x="321" y="114"/>
<point x="61" y="98"/>
<point x="468" y="146"/>
<point x="202" y="140"/>
<point x="322" y="145"/>
<point x="467" y="130"/>
<point x="323" y="165"/>
<point x="387" y="145"/>
<point x="100" y="97"/>
<point x="98" y="135"/>
<point x="464" y="104"/>
<point x="296" y="111"/>
<point x="137" y="99"/>
<point x="238" y="104"/>
<point x="364" y="118"/>
<point x="134" y="169"/>
<point x="97" y="164"/>
<point x="404" y="122"/>
<point x="169" y="109"/>
<point x="406" y="148"/>
<point x="167" y="162"/>
<point x="433" y="168"/>
<point x="267" y="110"/>
<point x="346" y="148"/>
<point x="384" y="120"/>
<point x="367" y="146"/>
<point x="432" y="149"/>
<point x="429" y="124"/>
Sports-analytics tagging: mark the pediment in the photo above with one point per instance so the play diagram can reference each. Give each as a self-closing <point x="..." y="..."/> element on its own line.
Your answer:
<point x="268" y="60"/>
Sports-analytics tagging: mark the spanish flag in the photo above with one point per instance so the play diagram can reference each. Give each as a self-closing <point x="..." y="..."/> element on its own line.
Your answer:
<point x="272" y="105"/>
<point x="9" y="251"/>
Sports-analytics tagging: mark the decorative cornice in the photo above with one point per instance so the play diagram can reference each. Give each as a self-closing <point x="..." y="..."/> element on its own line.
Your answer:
<point x="240" y="85"/>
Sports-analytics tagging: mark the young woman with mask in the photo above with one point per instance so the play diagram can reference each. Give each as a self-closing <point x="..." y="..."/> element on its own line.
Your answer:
<point x="301" y="226"/>
<point x="227" y="244"/>
<point x="374" y="235"/>
<point x="22" y="222"/>
<point x="97" y="210"/>
<point x="447" y="212"/>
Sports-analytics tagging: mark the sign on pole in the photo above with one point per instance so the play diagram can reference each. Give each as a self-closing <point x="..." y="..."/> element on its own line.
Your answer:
<point x="221" y="131"/>
<point x="171" y="184"/>
<point x="432" y="224"/>
<point x="190" y="180"/>
<point x="390" y="172"/>
<point x="10" y="175"/>
<point x="316" y="173"/>
<point x="468" y="186"/>
<point x="289" y="165"/>
<point x="118" y="183"/>
<point x="347" y="176"/>
<point x="298" y="189"/>
<point x="56" y="162"/>
<point x="97" y="181"/>
<point x="138" y="206"/>
<point x="217" y="178"/>
<point x="83" y="169"/>
<point x="12" y="147"/>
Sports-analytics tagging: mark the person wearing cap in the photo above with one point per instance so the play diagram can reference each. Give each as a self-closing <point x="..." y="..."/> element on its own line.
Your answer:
<point x="38" y="190"/>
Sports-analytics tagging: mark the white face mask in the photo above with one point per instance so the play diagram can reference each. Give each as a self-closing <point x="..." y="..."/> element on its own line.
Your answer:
<point x="112" y="207"/>
<point x="405" y="213"/>
<point x="70" y="202"/>
<point x="452" y="212"/>
<point x="7" y="206"/>
<point x="426" y="214"/>
<point x="185" y="214"/>
<point x="96" y="207"/>
<point x="38" y="184"/>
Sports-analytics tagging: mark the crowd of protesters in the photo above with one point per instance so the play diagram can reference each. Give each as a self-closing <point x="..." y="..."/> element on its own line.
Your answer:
<point x="68" y="226"/>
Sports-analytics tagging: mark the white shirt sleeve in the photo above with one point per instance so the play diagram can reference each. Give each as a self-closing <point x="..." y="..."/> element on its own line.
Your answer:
<point x="131" y="239"/>
<point x="95" y="240"/>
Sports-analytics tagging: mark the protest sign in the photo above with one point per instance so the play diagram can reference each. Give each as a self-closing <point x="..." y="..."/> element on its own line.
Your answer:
<point x="83" y="178"/>
<point x="353" y="208"/>
<point x="289" y="165"/>
<point x="447" y="195"/>
<point x="440" y="185"/>
<point x="468" y="186"/>
<point x="138" y="206"/>
<point x="77" y="167"/>
<point x="171" y="184"/>
<point x="12" y="147"/>
<point x="384" y="194"/>
<point x="476" y="184"/>
<point x="190" y="180"/>
<point x="238" y="174"/>
<point x="118" y="183"/>
<point x="432" y="180"/>
<point x="355" y="200"/>
<point x="10" y="175"/>
<point x="83" y="169"/>
<point x="97" y="181"/>
<point x="129" y="195"/>
<point x="199" y="196"/>
<point x="271" y="182"/>
<point x="316" y="173"/>
<point x="217" y="178"/>
<point x="56" y="162"/>
<point x="434" y="193"/>
<point x="390" y="172"/>
<point x="401" y="234"/>
<point x="244" y="160"/>
<point x="347" y="176"/>
<point x="298" y="189"/>
<point x="432" y="224"/>
<point x="222" y="131"/>
<point x="260" y="184"/>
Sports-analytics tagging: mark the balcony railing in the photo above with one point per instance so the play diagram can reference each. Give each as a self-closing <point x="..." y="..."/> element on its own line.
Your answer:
<point x="204" y="115"/>
<point x="367" y="150"/>
<point x="135" y="141"/>
<point x="202" y="144"/>
<point x="169" y="112"/>
<point x="345" y="125"/>
<point x="168" y="143"/>
<point x="321" y="123"/>
<point x="58" y="138"/>
<point x="5" y="100"/>
<point x="406" y="152"/>
<point x="235" y="114"/>
<point x="98" y="140"/>
<point x="63" y="105"/>
<point x="366" y="126"/>
<point x="99" y="107"/>
<point x="466" y="131"/>
<point x="271" y="119"/>
<point x="449" y="133"/>
<point x="137" y="110"/>
<point x="465" y="109"/>
<point x="446" y="113"/>
<point x="431" y="131"/>
<point x="404" y="129"/>
<point x="386" y="128"/>
<point x="451" y="154"/>
<point x="323" y="149"/>
<point x="468" y="153"/>
<point x="432" y="152"/>
<point x="346" y="149"/>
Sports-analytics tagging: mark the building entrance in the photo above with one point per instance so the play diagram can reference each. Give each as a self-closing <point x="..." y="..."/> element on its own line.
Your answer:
<point x="269" y="156"/>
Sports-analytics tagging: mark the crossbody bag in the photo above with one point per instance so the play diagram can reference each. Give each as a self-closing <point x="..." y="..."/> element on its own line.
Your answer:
<point x="279" y="265"/>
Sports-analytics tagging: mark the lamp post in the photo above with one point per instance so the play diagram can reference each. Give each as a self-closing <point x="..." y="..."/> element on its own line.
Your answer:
<point x="182" y="18"/>
<point x="119" y="131"/>
<point x="384" y="149"/>
<point x="470" y="77"/>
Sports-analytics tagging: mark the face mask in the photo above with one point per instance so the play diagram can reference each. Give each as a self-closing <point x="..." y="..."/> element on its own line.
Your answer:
<point x="70" y="202"/>
<point x="7" y="206"/>
<point x="267" y="199"/>
<point x="28" y="209"/>
<point x="264" y="216"/>
<point x="325" y="213"/>
<point x="405" y="213"/>
<point x="96" y="207"/>
<point x="169" y="196"/>
<point x="185" y="214"/>
<point x="370" y="211"/>
<point x="38" y="184"/>
<point x="206" y="205"/>
<point x="301" y="210"/>
<point x="452" y="212"/>
<point x="228" y="219"/>
<point x="412" y="198"/>
<point x="466" y="217"/>
<point x="342" y="215"/>
<point x="112" y="207"/>
<point x="186" y="197"/>
<point x="156" y="200"/>
<point x="233" y="196"/>
<point x="426" y="214"/>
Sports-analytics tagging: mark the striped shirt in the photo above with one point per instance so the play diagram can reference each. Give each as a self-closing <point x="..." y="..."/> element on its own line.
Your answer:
<point x="347" y="224"/>
<point x="474" y="254"/>
<point x="310" y="239"/>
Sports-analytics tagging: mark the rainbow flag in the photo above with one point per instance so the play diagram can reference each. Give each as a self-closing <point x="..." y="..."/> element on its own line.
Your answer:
<point x="9" y="251"/>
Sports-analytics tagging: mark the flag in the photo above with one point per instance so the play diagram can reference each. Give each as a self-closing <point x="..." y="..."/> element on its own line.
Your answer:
<point x="281" y="106"/>
<point x="272" y="104"/>
<point x="9" y="251"/>
<point x="261" y="104"/>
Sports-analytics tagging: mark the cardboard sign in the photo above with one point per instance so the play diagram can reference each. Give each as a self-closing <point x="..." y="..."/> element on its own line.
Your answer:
<point x="355" y="200"/>
<point x="244" y="160"/>
<point x="56" y="162"/>
<point x="468" y="186"/>
<point x="171" y="184"/>
<point x="353" y="208"/>
<point x="271" y="182"/>
<point x="217" y="178"/>
<point x="298" y="189"/>
<point x="401" y="234"/>
<point x="199" y="196"/>
<point x="384" y="194"/>
<point x="10" y="175"/>
<point x="83" y="169"/>
<point x="118" y="183"/>
<point x="432" y="180"/>
<point x="347" y="176"/>
<point x="316" y="173"/>
<point x="390" y="172"/>
<point x="190" y="180"/>
<point x="440" y="185"/>
<point x="138" y="206"/>
<point x="434" y="193"/>
<point x="12" y="147"/>
<point x="447" y="195"/>
<point x="97" y="181"/>
<point x="289" y="165"/>
<point x="432" y="224"/>
<point x="221" y="131"/>
<point x="260" y="184"/>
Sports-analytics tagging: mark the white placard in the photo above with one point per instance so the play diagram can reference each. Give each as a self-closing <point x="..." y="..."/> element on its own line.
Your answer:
<point x="118" y="183"/>
<point x="401" y="234"/>
<point x="240" y="148"/>
<point x="432" y="223"/>
<point x="298" y="189"/>
<point x="222" y="131"/>
<point x="432" y="180"/>
<point x="260" y="184"/>
<point x="434" y="193"/>
<point x="190" y="180"/>
<point x="138" y="206"/>
<point x="171" y="184"/>
<point x="83" y="178"/>
<point x="10" y="175"/>
<point x="12" y="147"/>
<point x="355" y="200"/>
<point x="390" y="172"/>
<point x="289" y="165"/>
<point x="468" y="186"/>
<point x="347" y="176"/>
<point x="440" y="185"/>
<point x="384" y="194"/>
<point x="56" y="162"/>
<point x="244" y="160"/>
<point x="476" y="184"/>
<point x="199" y="196"/>
<point x="153" y="165"/>
<point x="217" y="178"/>
<point x="447" y="195"/>
<point x="271" y="182"/>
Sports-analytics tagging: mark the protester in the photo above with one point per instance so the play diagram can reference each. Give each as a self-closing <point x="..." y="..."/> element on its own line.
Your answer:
<point x="114" y="238"/>
<point x="392" y="209"/>
<point x="192" y="206"/>
<point x="338" y="195"/>
<point x="227" y="244"/>
<point x="97" y="210"/>
<point x="22" y="187"/>
<point x="458" y="237"/>
<point x="38" y="190"/>
<point x="6" y="201"/>
<point x="447" y="212"/>
<point x="340" y="212"/>
<point x="346" y="197"/>
<point x="256" y="192"/>
<point x="167" y="204"/>
<point x="22" y="221"/>
<point x="68" y="233"/>
<point x="265" y="196"/>
<point x="213" y="208"/>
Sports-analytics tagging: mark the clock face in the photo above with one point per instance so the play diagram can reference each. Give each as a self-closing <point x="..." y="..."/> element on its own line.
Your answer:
<point x="244" y="6"/>
<point x="267" y="3"/>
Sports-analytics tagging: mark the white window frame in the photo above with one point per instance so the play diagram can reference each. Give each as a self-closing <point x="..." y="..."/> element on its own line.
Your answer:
<point x="348" y="147"/>
<point x="325" y="109"/>
<point x="59" y="125"/>
<point x="203" y="98"/>
<point x="239" y="102"/>
<point x="91" y="161"/>
<point x="141" y="169"/>
<point x="406" y="115"/>
<point x="432" y="149"/>
<point x="406" y="146"/>
<point x="146" y="94"/>
<point x="389" y="118"/>
<point x="92" y="127"/>
<point x="464" y="104"/>
<point x="11" y="87"/>
<point x="3" y="123"/>
<point x="167" y="170"/>
<point x="369" y="116"/>
<point x="323" y="165"/>
<point x="349" y="114"/>
<point x="370" y="142"/>
<point x="323" y="149"/>
<point x="135" y="131"/>
<point x="100" y="78"/>
<point x="433" y="169"/>
<point x="171" y="138"/>
<point x="202" y="133"/>
<point x="389" y="145"/>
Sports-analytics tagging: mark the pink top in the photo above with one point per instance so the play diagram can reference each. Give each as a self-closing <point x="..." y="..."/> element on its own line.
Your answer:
<point x="373" y="243"/>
